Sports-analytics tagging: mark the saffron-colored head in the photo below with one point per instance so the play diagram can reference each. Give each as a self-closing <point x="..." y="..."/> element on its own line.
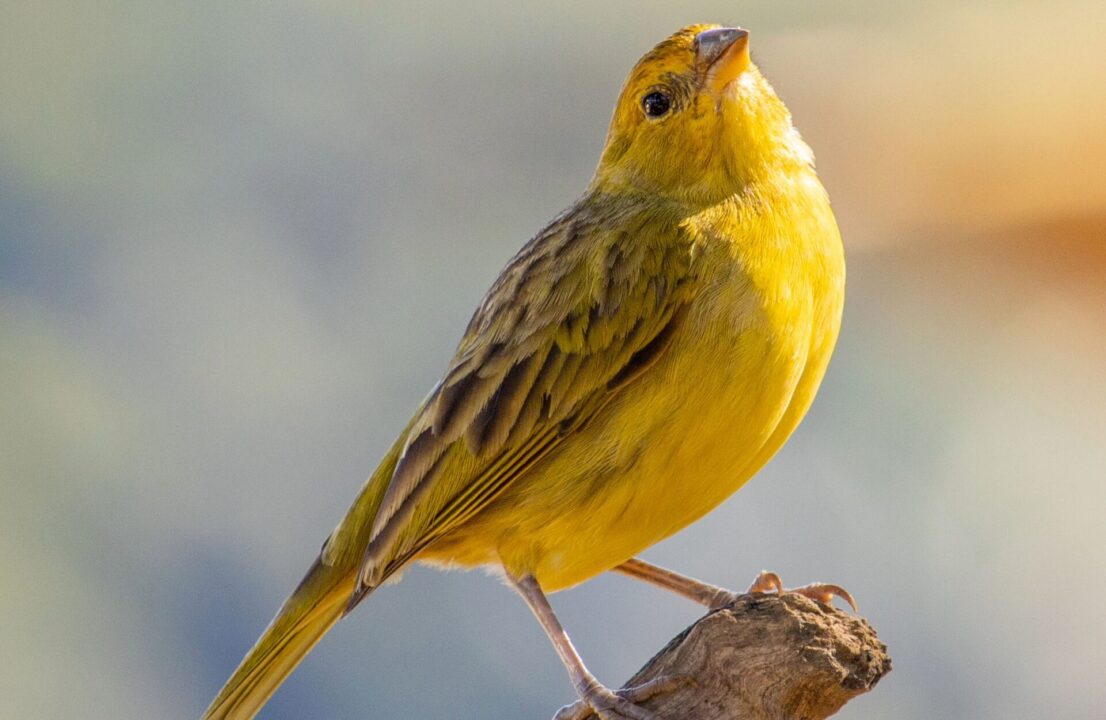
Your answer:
<point x="696" y="122"/>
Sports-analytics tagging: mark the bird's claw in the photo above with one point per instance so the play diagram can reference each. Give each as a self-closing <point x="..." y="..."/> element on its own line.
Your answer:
<point x="619" y="704"/>
<point x="821" y="592"/>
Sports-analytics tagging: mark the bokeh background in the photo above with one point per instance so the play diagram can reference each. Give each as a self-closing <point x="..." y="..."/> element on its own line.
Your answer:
<point x="238" y="242"/>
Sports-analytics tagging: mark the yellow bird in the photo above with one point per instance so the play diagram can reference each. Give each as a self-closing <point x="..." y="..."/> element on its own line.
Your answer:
<point x="631" y="367"/>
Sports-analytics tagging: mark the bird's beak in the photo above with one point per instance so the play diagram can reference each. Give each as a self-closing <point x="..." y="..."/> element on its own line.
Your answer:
<point x="722" y="54"/>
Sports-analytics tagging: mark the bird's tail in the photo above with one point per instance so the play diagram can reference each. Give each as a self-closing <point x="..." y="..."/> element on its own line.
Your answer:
<point x="314" y="607"/>
<point x="320" y="600"/>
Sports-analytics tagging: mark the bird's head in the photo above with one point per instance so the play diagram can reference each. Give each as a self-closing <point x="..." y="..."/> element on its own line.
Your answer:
<point x="696" y="122"/>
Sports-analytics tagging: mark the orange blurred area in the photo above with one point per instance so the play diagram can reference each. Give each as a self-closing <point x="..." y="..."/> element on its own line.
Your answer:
<point x="978" y="116"/>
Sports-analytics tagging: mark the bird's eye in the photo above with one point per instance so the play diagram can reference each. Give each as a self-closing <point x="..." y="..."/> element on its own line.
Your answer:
<point x="656" y="104"/>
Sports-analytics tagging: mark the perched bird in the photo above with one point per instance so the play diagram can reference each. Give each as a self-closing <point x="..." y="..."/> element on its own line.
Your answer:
<point x="631" y="367"/>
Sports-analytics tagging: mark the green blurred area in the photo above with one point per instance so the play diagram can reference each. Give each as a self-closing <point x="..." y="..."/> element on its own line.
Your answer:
<point x="239" y="241"/>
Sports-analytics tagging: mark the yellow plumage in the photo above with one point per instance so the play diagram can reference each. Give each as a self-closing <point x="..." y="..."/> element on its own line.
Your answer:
<point x="631" y="367"/>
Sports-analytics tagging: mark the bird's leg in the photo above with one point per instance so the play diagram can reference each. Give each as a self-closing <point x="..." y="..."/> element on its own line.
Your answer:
<point x="710" y="596"/>
<point x="594" y="697"/>
<point x="714" y="597"/>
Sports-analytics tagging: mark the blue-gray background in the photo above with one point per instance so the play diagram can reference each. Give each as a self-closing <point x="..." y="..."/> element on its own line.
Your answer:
<point x="238" y="241"/>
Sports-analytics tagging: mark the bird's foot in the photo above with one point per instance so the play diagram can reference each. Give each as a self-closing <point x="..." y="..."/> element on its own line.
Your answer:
<point x="619" y="704"/>
<point x="822" y="592"/>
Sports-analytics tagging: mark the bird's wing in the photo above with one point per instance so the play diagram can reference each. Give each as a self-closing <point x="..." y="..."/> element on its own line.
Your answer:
<point x="579" y="312"/>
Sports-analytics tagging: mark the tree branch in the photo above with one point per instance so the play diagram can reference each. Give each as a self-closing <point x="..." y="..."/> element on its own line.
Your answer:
<point x="767" y="657"/>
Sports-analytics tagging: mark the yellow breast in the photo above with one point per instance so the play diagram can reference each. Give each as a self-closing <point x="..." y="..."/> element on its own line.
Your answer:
<point x="722" y="399"/>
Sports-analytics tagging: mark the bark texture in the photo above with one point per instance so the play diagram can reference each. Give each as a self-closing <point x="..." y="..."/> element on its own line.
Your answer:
<point x="767" y="657"/>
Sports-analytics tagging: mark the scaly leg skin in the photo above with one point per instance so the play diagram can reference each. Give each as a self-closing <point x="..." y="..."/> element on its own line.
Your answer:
<point x="594" y="697"/>
<point x="710" y="596"/>
<point x="713" y="597"/>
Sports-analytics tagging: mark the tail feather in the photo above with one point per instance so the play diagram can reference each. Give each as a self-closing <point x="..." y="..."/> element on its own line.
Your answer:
<point x="320" y="600"/>
<point x="314" y="607"/>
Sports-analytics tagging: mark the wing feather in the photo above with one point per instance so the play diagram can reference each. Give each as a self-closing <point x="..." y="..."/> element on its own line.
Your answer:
<point x="581" y="311"/>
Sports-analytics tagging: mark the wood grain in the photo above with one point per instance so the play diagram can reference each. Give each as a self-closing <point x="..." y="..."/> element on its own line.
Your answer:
<point x="767" y="657"/>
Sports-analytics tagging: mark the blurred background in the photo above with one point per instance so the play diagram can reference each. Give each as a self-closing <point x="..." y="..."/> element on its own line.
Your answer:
<point x="238" y="242"/>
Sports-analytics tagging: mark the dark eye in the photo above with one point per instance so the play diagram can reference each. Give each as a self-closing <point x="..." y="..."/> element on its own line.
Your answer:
<point x="655" y="104"/>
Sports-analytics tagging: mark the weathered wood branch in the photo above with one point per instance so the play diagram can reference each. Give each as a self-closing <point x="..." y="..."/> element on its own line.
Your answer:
<point x="767" y="657"/>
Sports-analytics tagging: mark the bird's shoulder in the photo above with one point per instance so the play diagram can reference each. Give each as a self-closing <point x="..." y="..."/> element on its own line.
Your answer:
<point x="594" y="284"/>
